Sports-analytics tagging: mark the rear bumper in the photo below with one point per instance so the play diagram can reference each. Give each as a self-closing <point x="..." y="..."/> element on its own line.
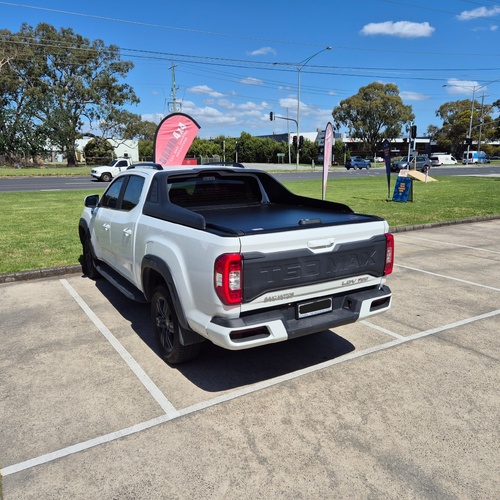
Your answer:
<point x="281" y="323"/>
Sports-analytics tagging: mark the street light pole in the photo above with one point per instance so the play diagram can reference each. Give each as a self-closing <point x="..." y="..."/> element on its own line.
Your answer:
<point x="470" y="123"/>
<point x="299" y="69"/>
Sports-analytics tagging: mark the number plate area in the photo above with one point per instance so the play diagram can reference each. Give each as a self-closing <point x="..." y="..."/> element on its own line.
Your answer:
<point x="314" y="307"/>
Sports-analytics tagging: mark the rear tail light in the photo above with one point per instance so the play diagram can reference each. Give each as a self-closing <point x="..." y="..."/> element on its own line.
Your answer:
<point x="389" y="253"/>
<point x="228" y="278"/>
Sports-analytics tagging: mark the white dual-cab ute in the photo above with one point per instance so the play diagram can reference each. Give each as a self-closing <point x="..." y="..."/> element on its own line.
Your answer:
<point x="229" y="255"/>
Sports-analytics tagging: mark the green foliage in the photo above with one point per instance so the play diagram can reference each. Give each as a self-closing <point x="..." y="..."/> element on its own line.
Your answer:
<point x="338" y="152"/>
<point x="52" y="80"/>
<point x="98" y="150"/>
<point x="375" y="113"/>
<point x="250" y="149"/>
<point x="456" y="116"/>
<point x="145" y="150"/>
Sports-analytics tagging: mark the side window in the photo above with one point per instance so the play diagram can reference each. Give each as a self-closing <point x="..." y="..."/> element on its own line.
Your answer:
<point x="111" y="196"/>
<point x="153" y="192"/>
<point x="132" y="192"/>
<point x="122" y="163"/>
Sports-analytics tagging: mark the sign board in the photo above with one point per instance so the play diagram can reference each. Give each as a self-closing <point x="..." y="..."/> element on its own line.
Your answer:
<point x="402" y="190"/>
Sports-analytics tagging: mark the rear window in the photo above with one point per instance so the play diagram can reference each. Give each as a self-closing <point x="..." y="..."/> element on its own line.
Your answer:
<point x="210" y="190"/>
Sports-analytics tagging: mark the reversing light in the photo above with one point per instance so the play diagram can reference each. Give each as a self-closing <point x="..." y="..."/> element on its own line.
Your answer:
<point x="228" y="278"/>
<point x="389" y="253"/>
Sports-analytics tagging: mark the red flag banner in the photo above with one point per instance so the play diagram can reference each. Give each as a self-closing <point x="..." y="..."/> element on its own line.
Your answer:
<point x="174" y="136"/>
<point x="327" y="155"/>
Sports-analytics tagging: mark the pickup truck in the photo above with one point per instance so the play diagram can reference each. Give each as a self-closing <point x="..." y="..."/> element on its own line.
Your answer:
<point x="230" y="255"/>
<point x="107" y="172"/>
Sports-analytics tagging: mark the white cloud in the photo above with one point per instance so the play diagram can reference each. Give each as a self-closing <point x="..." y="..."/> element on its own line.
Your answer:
<point x="480" y="12"/>
<point x="289" y="102"/>
<point x="413" y="96"/>
<point x="263" y="51"/>
<point x="204" y="90"/>
<point x="251" y="81"/>
<point x="153" y="117"/>
<point x="455" y="86"/>
<point x="226" y="104"/>
<point x="402" y="29"/>
<point x="252" y="106"/>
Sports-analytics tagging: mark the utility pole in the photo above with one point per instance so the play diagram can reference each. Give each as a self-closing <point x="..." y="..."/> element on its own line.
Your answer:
<point x="173" y="105"/>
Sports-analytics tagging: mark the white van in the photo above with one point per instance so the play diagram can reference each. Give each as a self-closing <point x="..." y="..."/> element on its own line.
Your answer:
<point x="438" y="159"/>
<point x="475" y="157"/>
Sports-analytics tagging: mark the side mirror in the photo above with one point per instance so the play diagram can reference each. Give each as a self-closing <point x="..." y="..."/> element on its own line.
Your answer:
<point x="91" y="201"/>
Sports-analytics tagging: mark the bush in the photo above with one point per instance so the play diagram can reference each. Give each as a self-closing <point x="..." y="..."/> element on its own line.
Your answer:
<point x="98" y="150"/>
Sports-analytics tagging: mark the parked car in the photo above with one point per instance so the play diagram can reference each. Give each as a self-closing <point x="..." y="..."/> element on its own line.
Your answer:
<point x="356" y="162"/>
<point x="423" y="163"/>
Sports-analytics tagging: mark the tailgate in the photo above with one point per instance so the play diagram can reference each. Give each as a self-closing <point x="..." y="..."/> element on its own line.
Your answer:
<point x="312" y="256"/>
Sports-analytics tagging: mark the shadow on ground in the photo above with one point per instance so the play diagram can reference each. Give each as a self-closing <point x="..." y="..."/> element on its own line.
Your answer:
<point x="217" y="369"/>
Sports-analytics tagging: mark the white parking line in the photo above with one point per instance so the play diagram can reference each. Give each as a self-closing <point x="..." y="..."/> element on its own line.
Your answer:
<point x="48" y="457"/>
<point x="448" y="277"/>
<point x="160" y="398"/>
<point x="383" y="330"/>
<point x="449" y="244"/>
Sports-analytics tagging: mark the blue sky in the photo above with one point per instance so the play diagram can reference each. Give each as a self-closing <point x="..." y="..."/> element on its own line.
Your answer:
<point x="237" y="61"/>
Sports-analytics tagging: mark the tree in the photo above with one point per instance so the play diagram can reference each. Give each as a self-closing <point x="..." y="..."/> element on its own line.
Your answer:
<point x="338" y="152"/>
<point x="375" y="113"/>
<point x="21" y="136"/>
<point x="66" y="79"/>
<point x="98" y="150"/>
<point x="118" y="123"/>
<point x="456" y="116"/>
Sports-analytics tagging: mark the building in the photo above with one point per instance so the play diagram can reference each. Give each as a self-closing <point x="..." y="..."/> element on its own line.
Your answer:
<point x="122" y="149"/>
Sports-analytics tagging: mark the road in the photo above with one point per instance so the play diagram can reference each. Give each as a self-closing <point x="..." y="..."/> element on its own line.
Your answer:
<point x="13" y="184"/>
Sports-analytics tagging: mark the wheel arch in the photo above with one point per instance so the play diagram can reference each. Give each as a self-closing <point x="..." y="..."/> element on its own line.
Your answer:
<point x="83" y="230"/>
<point x="156" y="272"/>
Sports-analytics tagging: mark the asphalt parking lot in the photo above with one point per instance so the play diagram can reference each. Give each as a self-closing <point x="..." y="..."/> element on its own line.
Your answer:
<point x="404" y="406"/>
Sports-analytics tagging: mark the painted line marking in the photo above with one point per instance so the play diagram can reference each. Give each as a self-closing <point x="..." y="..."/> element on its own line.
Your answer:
<point x="152" y="388"/>
<point x="450" y="244"/>
<point x="85" y="445"/>
<point x="383" y="330"/>
<point x="48" y="457"/>
<point x="448" y="277"/>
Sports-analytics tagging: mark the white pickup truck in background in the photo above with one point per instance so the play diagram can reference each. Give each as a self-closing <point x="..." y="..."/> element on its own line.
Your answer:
<point x="108" y="172"/>
<point x="229" y="255"/>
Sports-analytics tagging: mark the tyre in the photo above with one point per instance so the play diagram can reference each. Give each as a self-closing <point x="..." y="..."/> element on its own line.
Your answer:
<point x="88" y="261"/>
<point x="106" y="177"/>
<point x="167" y="329"/>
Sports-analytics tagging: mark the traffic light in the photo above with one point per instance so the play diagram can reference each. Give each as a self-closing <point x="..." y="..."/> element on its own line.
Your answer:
<point x="271" y="116"/>
<point x="468" y="141"/>
<point x="294" y="141"/>
<point x="301" y="141"/>
<point x="413" y="131"/>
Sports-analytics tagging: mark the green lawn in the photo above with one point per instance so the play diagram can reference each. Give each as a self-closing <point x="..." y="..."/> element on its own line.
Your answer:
<point x="49" y="169"/>
<point x="40" y="229"/>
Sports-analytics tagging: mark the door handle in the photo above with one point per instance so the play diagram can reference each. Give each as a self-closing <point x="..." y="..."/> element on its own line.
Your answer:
<point x="127" y="231"/>
<point x="321" y="246"/>
<point x="106" y="226"/>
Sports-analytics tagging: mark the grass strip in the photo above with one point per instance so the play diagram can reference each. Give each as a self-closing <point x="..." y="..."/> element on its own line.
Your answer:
<point x="39" y="230"/>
